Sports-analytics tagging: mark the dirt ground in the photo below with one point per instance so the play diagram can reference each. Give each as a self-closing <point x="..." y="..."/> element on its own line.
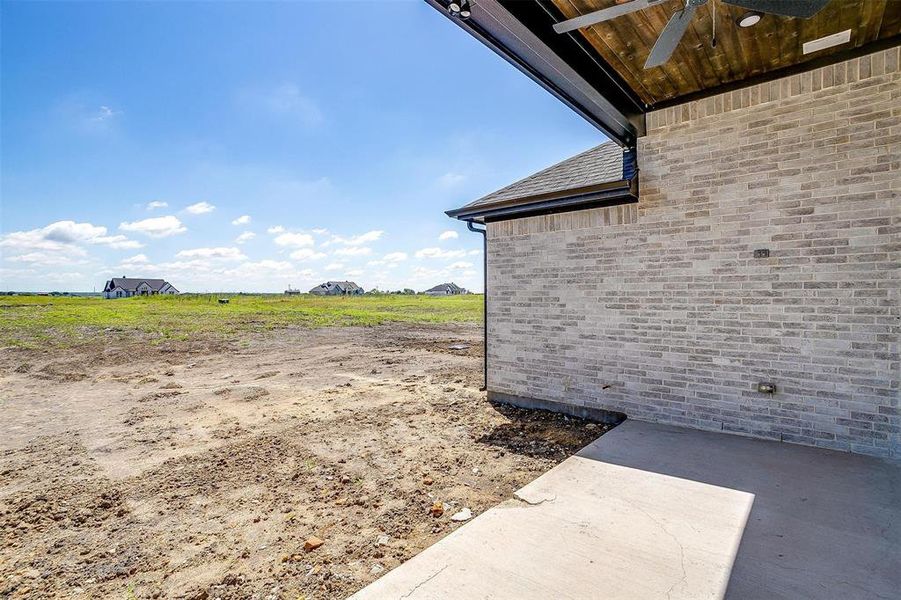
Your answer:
<point x="198" y="470"/>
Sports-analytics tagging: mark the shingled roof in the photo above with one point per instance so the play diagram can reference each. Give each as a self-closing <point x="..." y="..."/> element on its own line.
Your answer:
<point x="130" y="284"/>
<point x="579" y="174"/>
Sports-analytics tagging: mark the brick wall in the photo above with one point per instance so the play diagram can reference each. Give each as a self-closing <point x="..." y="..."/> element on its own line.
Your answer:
<point x="661" y="311"/>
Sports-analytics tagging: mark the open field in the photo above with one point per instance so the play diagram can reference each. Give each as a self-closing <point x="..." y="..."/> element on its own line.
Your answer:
<point x="195" y="464"/>
<point x="58" y="320"/>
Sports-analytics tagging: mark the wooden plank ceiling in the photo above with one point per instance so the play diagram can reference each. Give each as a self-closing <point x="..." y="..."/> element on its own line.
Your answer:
<point x="773" y="44"/>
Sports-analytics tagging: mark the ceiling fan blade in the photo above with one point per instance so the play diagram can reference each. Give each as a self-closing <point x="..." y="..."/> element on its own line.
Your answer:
<point x="670" y="37"/>
<point x="803" y="9"/>
<point x="605" y="14"/>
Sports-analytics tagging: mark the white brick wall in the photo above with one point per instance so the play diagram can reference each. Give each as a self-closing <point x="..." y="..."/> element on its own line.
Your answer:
<point x="659" y="310"/>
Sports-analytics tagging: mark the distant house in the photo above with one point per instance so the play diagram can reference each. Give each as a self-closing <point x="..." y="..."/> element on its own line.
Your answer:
<point x="445" y="289"/>
<point x="125" y="287"/>
<point x="337" y="288"/>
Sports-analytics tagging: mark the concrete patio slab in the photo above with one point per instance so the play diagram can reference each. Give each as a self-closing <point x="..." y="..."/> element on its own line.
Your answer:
<point x="656" y="511"/>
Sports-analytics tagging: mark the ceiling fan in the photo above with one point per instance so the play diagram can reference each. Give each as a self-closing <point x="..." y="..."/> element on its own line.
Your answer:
<point x="674" y="30"/>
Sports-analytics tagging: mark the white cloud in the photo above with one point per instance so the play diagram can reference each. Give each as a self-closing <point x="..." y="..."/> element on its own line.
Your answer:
<point x="214" y="253"/>
<point x="395" y="257"/>
<point x="389" y="261"/>
<point x="69" y="232"/>
<point x="359" y="240"/>
<point x="286" y="101"/>
<point x="156" y="204"/>
<point x="307" y="254"/>
<point x="460" y="266"/>
<point x="118" y="242"/>
<point x="62" y="277"/>
<point x="448" y="235"/>
<point x="48" y="258"/>
<point x="156" y="227"/>
<point x="474" y="252"/>
<point x="273" y="265"/>
<point x="354" y="251"/>
<point x="275" y="229"/>
<point x="424" y="272"/>
<point x="439" y="253"/>
<point x="87" y="113"/>
<point x="296" y="240"/>
<point x="138" y="260"/>
<point x="64" y="237"/>
<point x="266" y="268"/>
<point x="200" y="208"/>
<point x="449" y="180"/>
<point x="242" y="220"/>
<point x="334" y="266"/>
<point x="320" y="231"/>
<point x="187" y="268"/>
<point x="105" y="113"/>
<point x="245" y="237"/>
<point x="353" y="273"/>
<point x="31" y="240"/>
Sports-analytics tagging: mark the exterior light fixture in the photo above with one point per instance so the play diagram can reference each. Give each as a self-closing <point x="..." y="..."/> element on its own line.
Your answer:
<point x="749" y="19"/>
<point x="459" y="9"/>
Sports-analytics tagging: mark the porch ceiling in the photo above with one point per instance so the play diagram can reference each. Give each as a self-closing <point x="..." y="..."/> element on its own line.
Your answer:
<point x="599" y="70"/>
<point x="772" y="44"/>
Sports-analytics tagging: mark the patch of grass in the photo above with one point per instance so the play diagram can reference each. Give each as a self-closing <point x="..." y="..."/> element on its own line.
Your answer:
<point x="32" y="321"/>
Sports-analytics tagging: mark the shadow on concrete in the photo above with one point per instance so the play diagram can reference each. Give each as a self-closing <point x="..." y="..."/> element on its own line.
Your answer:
<point x="823" y="524"/>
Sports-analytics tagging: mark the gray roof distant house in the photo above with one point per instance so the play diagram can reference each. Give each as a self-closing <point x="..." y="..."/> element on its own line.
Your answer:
<point x="445" y="289"/>
<point x="597" y="173"/>
<point x="130" y="284"/>
<point x="125" y="287"/>
<point x="337" y="288"/>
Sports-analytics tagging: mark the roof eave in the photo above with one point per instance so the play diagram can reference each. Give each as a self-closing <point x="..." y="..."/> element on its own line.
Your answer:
<point x="623" y="191"/>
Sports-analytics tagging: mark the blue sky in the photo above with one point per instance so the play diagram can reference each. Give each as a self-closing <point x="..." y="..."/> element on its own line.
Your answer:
<point x="246" y="146"/>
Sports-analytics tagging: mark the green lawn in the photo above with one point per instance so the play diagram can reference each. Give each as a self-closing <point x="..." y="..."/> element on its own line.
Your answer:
<point x="33" y="321"/>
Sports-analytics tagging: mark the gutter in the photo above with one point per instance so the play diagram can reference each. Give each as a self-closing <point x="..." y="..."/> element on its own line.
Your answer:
<point x="484" y="232"/>
<point x="624" y="191"/>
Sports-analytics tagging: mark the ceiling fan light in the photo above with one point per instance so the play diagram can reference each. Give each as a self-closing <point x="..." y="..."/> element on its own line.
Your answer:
<point x="465" y="14"/>
<point x="453" y="7"/>
<point x="749" y="19"/>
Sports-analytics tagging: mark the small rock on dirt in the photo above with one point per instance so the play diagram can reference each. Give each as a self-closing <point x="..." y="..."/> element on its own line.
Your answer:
<point x="463" y="515"/>
<point x="312" y="543"/>
<point x="437" y="509"/>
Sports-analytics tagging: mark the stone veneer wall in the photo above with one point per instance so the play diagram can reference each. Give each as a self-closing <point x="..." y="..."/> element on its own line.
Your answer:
<point x="661" y="311"/>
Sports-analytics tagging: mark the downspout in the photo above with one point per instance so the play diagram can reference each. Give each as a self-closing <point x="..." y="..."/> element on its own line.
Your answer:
<point x="471" y="227"/>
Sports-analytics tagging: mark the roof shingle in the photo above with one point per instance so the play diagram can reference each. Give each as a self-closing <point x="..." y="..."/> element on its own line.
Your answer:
<point x="600" y="164"/>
